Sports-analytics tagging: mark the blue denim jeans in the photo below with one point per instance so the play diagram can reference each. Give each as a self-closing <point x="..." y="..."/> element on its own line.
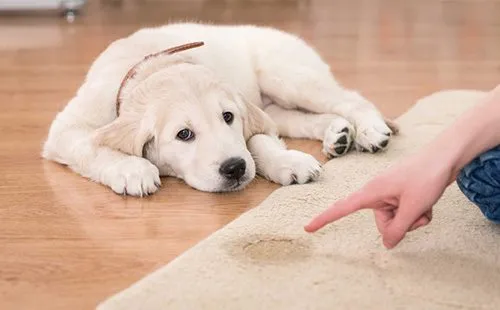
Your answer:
<point x="480" y="183"/>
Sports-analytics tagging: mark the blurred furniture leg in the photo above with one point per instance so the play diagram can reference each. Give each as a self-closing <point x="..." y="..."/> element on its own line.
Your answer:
<point x="69" y="7"/>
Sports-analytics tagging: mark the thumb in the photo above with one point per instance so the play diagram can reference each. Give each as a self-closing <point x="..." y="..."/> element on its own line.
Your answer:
<point x="406" y="216"/>
<point x="394" y="233"/>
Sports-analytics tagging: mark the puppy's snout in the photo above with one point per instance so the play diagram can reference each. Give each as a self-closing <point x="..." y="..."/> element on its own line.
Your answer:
<point x="233" y="168"/>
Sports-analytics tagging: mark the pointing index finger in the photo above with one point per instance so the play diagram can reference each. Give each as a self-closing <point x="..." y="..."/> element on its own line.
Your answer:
<point x="342" y="208"/>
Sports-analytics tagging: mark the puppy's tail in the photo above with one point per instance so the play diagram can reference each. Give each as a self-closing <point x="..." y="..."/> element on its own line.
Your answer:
<point x="392" y="126"/>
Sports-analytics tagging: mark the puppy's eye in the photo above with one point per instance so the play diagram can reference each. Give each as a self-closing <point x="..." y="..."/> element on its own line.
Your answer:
<point x="228" y="117"/>
<point x="185" y="135"/>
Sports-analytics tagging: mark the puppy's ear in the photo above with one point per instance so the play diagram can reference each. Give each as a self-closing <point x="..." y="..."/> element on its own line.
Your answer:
<point x="126" y="134"/>
<point x="256" y="121"/>
<point x="143" y="69"/>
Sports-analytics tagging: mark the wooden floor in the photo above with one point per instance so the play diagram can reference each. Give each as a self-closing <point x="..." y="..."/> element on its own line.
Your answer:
<point x="67" y="243"/>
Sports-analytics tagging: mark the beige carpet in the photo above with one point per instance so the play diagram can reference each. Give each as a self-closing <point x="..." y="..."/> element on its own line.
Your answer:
<point x="264" y="259"/>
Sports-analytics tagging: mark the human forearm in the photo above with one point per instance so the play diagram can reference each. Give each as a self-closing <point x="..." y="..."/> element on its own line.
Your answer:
<point x="475" y="132"/>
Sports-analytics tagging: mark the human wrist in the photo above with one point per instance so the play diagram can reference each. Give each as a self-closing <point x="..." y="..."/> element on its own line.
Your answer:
<point x="473" y="133"/>
<point x="443" y="159"/>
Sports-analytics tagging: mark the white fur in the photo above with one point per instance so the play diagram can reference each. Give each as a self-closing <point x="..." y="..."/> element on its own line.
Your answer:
<point x="245" y="70"/>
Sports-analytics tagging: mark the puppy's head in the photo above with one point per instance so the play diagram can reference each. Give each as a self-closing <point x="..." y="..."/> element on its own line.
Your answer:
<point x="189" y="124"/>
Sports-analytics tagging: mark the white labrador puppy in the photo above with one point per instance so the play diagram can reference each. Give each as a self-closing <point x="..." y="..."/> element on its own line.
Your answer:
<point x="207" y="104"/>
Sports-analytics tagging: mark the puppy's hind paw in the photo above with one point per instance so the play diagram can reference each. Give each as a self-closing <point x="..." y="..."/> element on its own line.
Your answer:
<point x="338" y="138"/>
<point x="373" y="136"/>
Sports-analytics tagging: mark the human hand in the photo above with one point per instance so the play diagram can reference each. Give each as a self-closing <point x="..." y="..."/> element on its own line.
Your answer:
<point x="401" y="198"/>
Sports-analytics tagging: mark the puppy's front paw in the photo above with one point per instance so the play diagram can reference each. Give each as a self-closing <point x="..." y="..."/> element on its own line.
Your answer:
<point x="133" y="176"/>
<point x="338" y="138"/>
<point x="372" y="135"/>
<point x="294" y="167"/>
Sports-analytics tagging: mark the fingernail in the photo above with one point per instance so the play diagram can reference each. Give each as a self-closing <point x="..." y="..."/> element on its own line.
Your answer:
<point x="308" y="229"/>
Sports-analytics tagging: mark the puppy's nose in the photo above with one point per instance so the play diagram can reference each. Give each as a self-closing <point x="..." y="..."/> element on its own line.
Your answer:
<point x="233" y="168"/>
